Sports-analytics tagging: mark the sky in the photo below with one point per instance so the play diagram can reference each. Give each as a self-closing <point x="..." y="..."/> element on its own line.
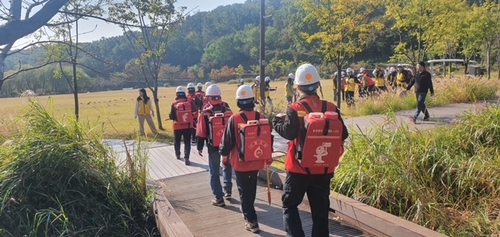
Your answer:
<point x="95" y="29"/>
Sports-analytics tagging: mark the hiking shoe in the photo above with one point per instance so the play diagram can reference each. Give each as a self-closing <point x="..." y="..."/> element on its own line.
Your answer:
<point x="178" y="157"/>
<point x="219" y="202"/>
<point x="426" y="119"/>
<point x="252" y="226"/>
<point x="413" y="120"/>
<point x="186" y="161"/>
<point x="227" y="193"/>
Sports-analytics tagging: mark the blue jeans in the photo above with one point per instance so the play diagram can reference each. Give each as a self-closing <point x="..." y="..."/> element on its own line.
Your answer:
<point x="214" y="159"/>
<point x="421" y="106"/>
<point x="317" y="188"/>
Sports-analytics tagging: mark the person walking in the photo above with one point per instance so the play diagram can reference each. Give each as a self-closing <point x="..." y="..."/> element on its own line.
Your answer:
<point x="144" y="110"/>
<point x="289" y="90"/>
<point x="350" y="88"/>
<point x="207" y="131"/>
<point x="423" y="84"/>
<point x="315" y="181"/>
<point x="191" y="89"/>
<point x="246" y="171"/>
<point x="182" y="112"/>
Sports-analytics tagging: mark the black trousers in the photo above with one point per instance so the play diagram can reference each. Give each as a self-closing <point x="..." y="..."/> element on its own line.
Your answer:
<point x="186" y="135"/>
<point x="247" y="188"/>
<point x="317" y="187"/>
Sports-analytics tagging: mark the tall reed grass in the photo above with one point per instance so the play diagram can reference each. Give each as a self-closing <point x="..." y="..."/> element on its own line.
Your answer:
<point x="58" y="179"/>
<point x="446" y="179"/>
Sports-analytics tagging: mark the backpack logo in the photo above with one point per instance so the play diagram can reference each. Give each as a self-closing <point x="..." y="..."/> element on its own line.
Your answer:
<point x="258" y="152"/>
<point x="322" y="151"/>
<point x="185" y="117"/>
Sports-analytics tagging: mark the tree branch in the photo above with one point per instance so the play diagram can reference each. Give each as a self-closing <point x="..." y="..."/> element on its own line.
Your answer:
<point x="28" y="11"/>
<point x="14" y="30"/>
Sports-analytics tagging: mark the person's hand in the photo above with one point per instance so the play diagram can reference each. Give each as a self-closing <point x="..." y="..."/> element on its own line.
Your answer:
<point x="200" y="153"/>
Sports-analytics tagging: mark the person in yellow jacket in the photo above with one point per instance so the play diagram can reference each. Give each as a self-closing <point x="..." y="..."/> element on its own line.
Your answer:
<point x="144" y="110"/>
<point x="402" y="77"/>
<point x="380" y="79"/>
<point x="256" y="90"/>
<point x="289" y="89"/>
<point x="350" y="87"/>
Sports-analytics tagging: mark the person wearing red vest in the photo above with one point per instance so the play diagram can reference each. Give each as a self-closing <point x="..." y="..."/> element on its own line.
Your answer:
<point x="200" y="94"/>
<point x="246" y="171"/>
<point x="198" y="104"/>
<point x="182" y="130"/>
<point x="215" y="104"/>
<point x="313" y="181"/>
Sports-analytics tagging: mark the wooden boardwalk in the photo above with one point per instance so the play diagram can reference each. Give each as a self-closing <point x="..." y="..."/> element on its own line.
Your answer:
<point x="188" y="191"/>
<point x="190" y="196"/>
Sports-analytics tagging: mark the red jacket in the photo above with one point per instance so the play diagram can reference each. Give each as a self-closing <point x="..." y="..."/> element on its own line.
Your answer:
<point x="292" y="126"/>
<point x="231" y="143"/>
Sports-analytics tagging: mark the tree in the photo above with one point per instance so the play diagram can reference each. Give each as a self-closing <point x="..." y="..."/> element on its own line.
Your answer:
<point x="14" y="26"/>
<point x="155" y="20"/>
<point x="421" y="24"/>
<point x="344" y="28"/>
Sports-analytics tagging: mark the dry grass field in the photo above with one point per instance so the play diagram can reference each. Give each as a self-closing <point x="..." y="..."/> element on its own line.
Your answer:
<point x="113" y="111"/>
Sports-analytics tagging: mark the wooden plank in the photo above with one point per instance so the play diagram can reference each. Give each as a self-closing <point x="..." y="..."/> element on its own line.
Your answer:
<point x="168" y="222"/>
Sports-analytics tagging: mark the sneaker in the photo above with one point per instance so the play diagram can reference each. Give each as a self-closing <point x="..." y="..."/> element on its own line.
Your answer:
<point x="219" y="202"/>
<point x="252" y="227"/>
<point x="227" y="193"/>
<point x="178" y="157"/>
<point x="186" y="161"/>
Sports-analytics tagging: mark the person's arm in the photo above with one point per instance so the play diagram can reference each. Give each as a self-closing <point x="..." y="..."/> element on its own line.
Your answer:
<point x="431" y="86"/>
<point x="412" y="82"/>
<point x="287" y="127"/>
<point x="136" y="111"/>
<point x="201" y="131"/>
<point x="228" y="139"/>
<point x="345" y="132"/>
<point x="172" y="116"/>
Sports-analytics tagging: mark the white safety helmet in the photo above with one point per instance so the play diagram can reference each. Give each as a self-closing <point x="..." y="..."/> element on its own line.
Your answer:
<point x="291" y="76"/>
<point x="207" y="84"/>
<point x="349" y="70"/>
<point x="392" y="69"/>
<point x="399" y="65"/>
<point x="190" y="86"/>
<point x="199" y="85"/>
<point x="306" y="74"/>
<point x="213" y="90"/>
<point x="257" y="79"/>
<point x="242" y="80"/>
<point x="361" y="70"/>
<point x="343" y="74"/>
<point x="268" y="79"/>
<point x="244" y="92"/>
<point x="180" y="89"/>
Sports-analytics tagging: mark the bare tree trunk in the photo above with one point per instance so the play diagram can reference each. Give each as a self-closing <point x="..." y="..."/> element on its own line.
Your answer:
<point x="2" y="72"/>
<point x="157" y="105"/>
<point x="488" y="59"/>
<point x="75" y="89"/>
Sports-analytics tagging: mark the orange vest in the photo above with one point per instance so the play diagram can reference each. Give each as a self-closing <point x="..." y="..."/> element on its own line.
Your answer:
<point x="176" y="126"/>
<point x="291" y="162"/>
<point x="234" y="157"/>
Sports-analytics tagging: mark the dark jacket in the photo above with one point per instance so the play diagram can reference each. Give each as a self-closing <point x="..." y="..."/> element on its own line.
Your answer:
<point x="290" y="127"/>
<point x="422" y="82"/>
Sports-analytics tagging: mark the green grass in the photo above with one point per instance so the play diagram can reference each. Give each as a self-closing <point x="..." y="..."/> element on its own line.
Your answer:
<point x="58" y="179"/>
<point x="446" y="179"/>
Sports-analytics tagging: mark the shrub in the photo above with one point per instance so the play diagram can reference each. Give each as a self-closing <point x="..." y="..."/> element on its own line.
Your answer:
<point x="60" y="180"/>
<point x="447" y="179"/>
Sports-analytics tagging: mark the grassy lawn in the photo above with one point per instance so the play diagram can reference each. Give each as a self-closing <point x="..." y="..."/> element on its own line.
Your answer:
<point x="113" y="111"/>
